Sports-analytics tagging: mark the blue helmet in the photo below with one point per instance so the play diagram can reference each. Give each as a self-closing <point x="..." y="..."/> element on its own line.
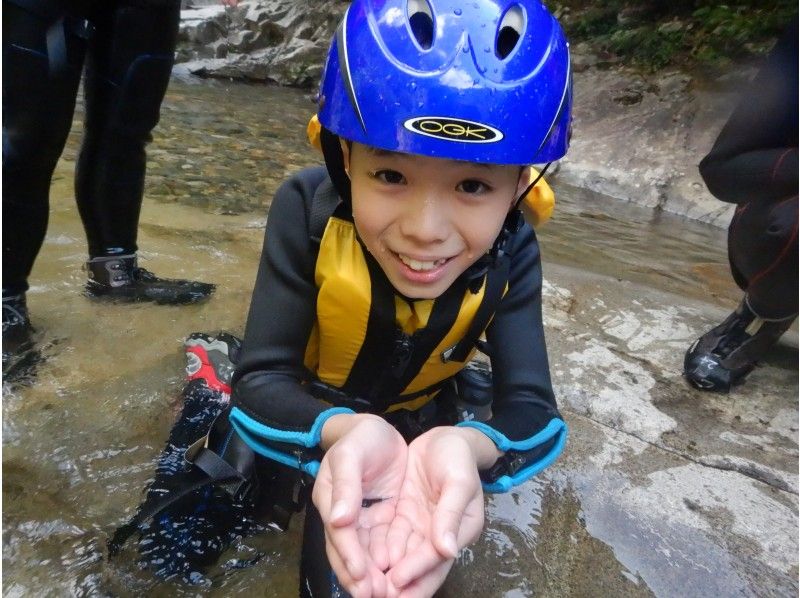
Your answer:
<point x="476" y="80"/>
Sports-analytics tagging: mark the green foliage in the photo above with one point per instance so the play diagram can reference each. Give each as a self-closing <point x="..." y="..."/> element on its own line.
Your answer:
<point x="647" y="45"/>
<point x="657" y="33"/>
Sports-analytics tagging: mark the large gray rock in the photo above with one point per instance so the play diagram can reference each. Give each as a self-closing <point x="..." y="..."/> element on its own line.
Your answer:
<point x="640" y="137"/>
<point x="274" y="41"/>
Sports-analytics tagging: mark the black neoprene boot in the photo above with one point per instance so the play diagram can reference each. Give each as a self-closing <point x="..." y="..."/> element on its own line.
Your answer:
<point x="121" y="279"/>
<point x="723" y="356"/>
<point x="19" y="346"/>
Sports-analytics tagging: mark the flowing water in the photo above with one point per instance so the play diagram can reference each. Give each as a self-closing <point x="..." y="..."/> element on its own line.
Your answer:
<point x="80" y="442"/>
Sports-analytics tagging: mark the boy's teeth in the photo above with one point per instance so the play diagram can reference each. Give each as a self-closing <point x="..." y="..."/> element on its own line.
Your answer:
<point x="418" y="265"/>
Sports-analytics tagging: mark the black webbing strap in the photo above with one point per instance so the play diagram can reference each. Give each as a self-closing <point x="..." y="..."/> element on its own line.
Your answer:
<point x="532" y="185"/>
<point x="424" y="341"/>
<point x="382" y="338"/>
<point x="323" y="205"/>
<point x="496" y="279"/>
<point x="189" y="482"/>
<point x="209" y="468"/>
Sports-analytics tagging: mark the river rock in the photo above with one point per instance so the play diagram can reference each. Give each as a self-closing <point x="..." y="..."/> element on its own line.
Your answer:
<point x="272" y="41"/>
<point x="640" y="137"/>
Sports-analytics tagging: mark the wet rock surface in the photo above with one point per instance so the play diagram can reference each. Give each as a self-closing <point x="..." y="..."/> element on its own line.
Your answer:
<point x="639" y="137"/>
<point x="268" y="41"/>
<point x="662" y="491"/>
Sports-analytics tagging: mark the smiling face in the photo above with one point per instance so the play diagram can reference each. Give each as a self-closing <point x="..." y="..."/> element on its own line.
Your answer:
<point x="426" y="220"/>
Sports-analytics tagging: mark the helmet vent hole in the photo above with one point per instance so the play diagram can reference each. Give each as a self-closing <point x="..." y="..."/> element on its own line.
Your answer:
<point x="509" y="31"/>
<point x="420" y="20"/>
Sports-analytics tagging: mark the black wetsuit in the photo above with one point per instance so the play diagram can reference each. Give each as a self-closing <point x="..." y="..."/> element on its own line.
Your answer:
<point x="283" y="312"/>
<point x="126" y="48"/>
<point x="754" y="163"/>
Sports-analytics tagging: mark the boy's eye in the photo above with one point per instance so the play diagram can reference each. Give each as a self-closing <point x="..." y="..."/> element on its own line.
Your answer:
<point x="472" y="186"/>
<point x="390" y="177"/>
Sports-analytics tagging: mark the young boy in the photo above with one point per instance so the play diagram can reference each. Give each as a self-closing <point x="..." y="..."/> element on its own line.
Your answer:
<point x="380" y="274"/>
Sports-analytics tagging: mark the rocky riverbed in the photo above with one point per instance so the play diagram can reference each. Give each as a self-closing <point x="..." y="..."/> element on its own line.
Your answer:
<point x="662" y="491"/>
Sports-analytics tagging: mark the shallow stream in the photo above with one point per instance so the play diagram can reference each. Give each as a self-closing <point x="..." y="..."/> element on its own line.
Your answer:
<point x="80" y="442"/>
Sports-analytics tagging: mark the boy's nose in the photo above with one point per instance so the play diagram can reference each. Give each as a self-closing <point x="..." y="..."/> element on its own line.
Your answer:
<point x="425" y="220"/>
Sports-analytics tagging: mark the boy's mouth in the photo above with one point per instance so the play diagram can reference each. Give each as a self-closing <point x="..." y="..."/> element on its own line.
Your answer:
<point x="421" y="265"/>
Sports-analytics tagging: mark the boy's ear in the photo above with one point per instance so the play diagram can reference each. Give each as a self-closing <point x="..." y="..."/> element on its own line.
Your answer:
<point x="526" y="177"/>
<point x="345" y="155"/>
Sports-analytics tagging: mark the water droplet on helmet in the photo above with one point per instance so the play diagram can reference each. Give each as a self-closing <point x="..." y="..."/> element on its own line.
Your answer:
<point x="457" y="12"/>
<point x="487" y="50"/>
<point x="465" y="49"/>
<point x="413" y="85"/>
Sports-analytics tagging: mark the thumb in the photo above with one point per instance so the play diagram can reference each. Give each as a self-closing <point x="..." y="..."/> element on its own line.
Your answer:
<point x="346" y="492"/>
<point x="448" y="515"/>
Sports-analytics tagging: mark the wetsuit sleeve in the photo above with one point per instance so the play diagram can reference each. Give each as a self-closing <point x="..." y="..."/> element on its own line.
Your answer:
<point x="272" y="411"/>
<point x="755" y="156"/>
<point x="525" y="423"/>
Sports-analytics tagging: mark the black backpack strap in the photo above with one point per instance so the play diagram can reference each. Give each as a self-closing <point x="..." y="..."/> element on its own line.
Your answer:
<point x="323" y="206"/>
<point x="496" y="280"/>
<point x="189" y="482"/>
<point x="234" y="474"/>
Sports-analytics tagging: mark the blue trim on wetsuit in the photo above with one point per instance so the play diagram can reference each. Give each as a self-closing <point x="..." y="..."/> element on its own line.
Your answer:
<point x="254" y="434"/>
<point x="556" y="428"/>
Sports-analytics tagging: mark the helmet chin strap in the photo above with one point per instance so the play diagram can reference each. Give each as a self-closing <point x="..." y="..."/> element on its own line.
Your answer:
<point x="531" y="186"/>
<point x="334" y="161"/>
<point x="513" y="222"/>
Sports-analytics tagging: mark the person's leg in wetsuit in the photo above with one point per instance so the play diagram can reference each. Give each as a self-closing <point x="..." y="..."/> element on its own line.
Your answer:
<point x="39" y="90"/>
<point x="762" y="248"/>
<point x="186" y="538"/>
<point x="754" y="163"/>
<point x="130" y="47"/>
<point x="129" y="62"/>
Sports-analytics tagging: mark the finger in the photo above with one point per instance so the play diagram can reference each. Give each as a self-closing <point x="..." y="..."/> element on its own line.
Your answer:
<point x="345" y="544"/>
<point x="397" y="538"/>
<point x="346" y="491"/>
<point x="378" y="550"/>
<point x="428" y="584"/>
<point x="379" y="583"/>
<point x="363" y="538"/>
<point x="415" y="564"/>
<point x="391" y="590"/>
<point x="415" y="540"/>
<point x="355" y="587"/>
<point x="449" y="514"/>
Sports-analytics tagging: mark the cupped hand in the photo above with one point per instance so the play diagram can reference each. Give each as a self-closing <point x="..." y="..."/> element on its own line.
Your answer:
<point x="440" y="510"/>
<point x="356" y="492"/>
